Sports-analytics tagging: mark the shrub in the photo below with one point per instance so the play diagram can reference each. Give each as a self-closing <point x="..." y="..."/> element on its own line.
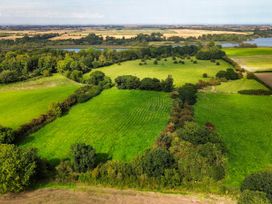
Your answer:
<point x="98" y="78"/>
<point x="155" y="161"/>
<point x="205" y="75"/>
<point x="167" y="85"/>
<point x="250" y="75"/>
<point x="85" y="93"/>
<point x="211" y="53"/>
<point x="259" y="92"/>
<point x="8" y="76"/>
<point x="64" y="171"/>
<point x="229" y="74"/>
<point x="217" y="63"/>
<point x="253" y="197"/>
<point x="127" y="82"/>
<point x="17" y="168"/>
<point x="150" y="84"/>
<point x="261" y="181"/>
<point x="7" y="135"/>
<point x="83" y="157"/>
<point x="187" y="93"/>
<point x="155" y="62"/>
<point x="76" y="75"/>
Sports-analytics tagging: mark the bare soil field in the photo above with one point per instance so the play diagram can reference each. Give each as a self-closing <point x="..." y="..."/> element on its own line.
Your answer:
<point x="266" y="78"/>
<point x="94" y="195"/>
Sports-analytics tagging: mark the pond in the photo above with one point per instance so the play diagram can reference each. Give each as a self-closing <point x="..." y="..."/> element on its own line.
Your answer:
<point x="260" y="42"/>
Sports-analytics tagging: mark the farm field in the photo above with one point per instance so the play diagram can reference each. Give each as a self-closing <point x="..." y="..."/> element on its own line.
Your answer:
<point x="252" y="59"/>
<point x="236" y="85"/>
<point x="187" y="73"/>
<point x="23" y="101"/>
<point x="122" y="124"/>
<point x="244" y="122"/>
<point x="266" y="78"/>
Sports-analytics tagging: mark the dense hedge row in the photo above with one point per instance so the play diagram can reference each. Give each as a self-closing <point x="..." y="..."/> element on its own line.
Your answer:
<point x="133" y="82"/>
<point x="260" y="92"/>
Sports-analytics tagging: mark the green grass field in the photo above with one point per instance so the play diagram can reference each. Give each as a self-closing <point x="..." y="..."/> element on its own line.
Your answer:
<point x="236" y="85"/>
<point x="120" y="123"/>
<point x="244" y="122"/>
<point x="252" y="59"/>
<point x="21" y="102"/>
<point x="187" y="73"/>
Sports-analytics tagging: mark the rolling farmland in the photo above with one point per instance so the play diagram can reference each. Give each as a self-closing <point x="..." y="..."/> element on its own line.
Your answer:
<point x="23" y="101"/>
<point x="187" y="73"/>
<point x="120" y="123"/>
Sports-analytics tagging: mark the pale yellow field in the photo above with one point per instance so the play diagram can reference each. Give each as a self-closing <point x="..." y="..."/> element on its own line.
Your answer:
<point x="117" y="33"/>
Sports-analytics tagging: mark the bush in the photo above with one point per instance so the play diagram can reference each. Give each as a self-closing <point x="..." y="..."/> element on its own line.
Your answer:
<point x="210" y="54"/>
<point x="150" y="84"/>
<point x="155" y="161"/>
<point x="17" y="168"/>
<point x="253" y="197"/>
<point x="85" y="93"/>
<point x="229" y="74"/>
<point x="7" y="135"/>
<point x="167" y="85"/>
<point x="95" y="77"/>
<point x="84" y="157"/>
<point x="196" y="134"/>
<point x="64" y="171"/>
<point x="250" y="75"/>
<point x="127" y="82"/>
<point x="261" y="181"/>
<point x="205" y="75"/>
<point x="8" y="76"/>
<point x="259" y="92"/>
<point x="187" y="93"/>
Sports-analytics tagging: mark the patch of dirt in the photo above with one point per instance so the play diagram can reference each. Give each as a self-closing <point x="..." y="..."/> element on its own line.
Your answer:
<point x="266" y="78"/>
<point x="96" y="195"/>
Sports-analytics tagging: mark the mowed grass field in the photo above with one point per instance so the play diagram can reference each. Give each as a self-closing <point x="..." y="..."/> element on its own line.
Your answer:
<point x="121" y="123"/>
<point x="187" y="73"/>
<point x="252" y="59"/>
<point x="244" y="122"/>
<point x="23" y="101"/>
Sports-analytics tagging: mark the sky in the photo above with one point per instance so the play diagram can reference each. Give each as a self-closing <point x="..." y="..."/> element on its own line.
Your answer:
<point x="41" y="12"/>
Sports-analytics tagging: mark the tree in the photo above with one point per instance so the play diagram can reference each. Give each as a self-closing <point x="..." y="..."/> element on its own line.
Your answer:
<point x="8" y="76"/>
<point x="7" y="135"/>
<point x="96" y="77"/>
<point x="154" y="162"/>
<point x="17" y="168"/>
<point x="127" y="82"/>
<point x="167" y="84"/>
<point x="150" y="84"/>
<point x="187" y="93"/>
<point x="83" y="157"/>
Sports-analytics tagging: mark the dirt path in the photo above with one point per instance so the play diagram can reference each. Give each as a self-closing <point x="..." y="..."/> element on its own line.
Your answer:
<point x="105" y="196"/>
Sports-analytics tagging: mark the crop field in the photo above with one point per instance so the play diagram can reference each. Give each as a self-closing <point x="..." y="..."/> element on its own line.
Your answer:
<point x="266" y="78"/>
<point x="23" y="101"/>
<point x="187" y="73"/>
<point x="252" y="59"/>
<point x="120" y="123"/>
<point x="236" y="85"/>
<point x="244" y="122"/>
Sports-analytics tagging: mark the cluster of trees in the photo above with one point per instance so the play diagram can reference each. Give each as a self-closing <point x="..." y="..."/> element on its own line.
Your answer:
<point x="210" y="53"/>
<point x="229" y="74"/>
<point x="133" y="82"/>
<point x="22" y="64"/>
<point x="225" y="37"/>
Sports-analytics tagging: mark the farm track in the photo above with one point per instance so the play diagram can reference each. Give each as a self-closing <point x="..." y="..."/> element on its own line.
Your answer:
<point x="94" y="195"/>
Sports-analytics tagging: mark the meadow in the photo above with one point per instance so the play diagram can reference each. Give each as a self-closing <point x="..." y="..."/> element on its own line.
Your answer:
<point x="23" y="101"/>
<point x="122" y="124"/>
<point x="252" y="59"/>
<point x="245" y="127"/>
<point x="235" y="86"/>
<point x="181" y="73"/>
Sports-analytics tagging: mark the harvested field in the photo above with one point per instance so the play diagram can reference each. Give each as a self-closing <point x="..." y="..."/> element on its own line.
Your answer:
<point x="265" y="78"/>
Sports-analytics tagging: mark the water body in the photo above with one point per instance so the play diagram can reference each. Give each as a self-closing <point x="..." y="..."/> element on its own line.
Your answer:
<point x="260" y="42"/>
<point x="101" y="49"/>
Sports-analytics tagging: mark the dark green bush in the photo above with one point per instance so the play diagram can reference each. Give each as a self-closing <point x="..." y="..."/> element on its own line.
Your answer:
<point x="229" y="74"/>
<point x="261" y="181"/>
<point x="127" y="82"/>
<point x="259" y="92"/>
<point x="253" y="197"/>
<point x="7" y="135"/>
<point x="84" y="157"/>
<point x="150" y="84"/>
<point x="87" y="92"/>
<point x="187" y="93"/>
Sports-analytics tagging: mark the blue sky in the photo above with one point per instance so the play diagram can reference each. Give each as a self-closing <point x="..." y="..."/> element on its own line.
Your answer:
<point x="135" y="11"/>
